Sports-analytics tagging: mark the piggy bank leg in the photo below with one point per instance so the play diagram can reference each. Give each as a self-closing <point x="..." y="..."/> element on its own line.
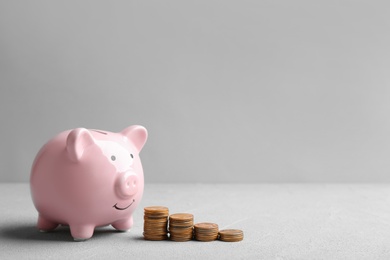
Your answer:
<point x="124" y="224"/>
<point x="81" y="232"/>
<point x="45" y="225"/>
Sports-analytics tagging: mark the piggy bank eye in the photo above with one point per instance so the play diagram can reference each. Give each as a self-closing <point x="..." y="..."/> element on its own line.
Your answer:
<point x="113" y="158"/>
<point x="131" y="155"/>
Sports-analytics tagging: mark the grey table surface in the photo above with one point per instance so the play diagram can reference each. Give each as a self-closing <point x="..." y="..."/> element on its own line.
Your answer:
<point x="280" y="221"/>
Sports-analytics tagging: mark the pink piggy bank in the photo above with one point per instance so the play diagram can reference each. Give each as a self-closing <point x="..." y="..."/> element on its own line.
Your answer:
<point x="88" y="178"/>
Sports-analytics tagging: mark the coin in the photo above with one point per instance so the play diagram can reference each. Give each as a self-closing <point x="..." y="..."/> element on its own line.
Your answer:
<point x="206" y="231"/>
<point x="231" y="235"/>
<point x="156" y="223"/>
<point x="156" y="210"/>
<point x="181" y="217"/>
<point x="181" y="227"/>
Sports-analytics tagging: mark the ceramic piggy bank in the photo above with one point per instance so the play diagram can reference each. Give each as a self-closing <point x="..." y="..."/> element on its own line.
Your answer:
<point x="88" y="178"/>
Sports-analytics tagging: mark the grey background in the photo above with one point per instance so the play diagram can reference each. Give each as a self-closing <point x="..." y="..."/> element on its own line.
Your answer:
<point x="319" y="221"/>
<point x="230" y="91"/>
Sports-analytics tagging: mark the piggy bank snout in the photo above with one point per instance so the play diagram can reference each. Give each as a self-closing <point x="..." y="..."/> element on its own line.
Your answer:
<point x="127" y="184"/>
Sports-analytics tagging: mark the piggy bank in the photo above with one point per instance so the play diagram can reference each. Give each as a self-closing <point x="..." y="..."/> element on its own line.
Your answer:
<point x="88" y="178"/>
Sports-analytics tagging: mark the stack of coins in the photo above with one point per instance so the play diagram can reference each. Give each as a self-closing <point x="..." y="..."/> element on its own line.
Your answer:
<point x="206" y="231"/>
<point x="181" y="227"/>
<point x="231" y="235"/>
<point x="155" y="223"/>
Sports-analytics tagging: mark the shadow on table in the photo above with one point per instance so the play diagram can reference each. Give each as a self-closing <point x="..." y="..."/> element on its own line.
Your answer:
<point x="61" y="233"/>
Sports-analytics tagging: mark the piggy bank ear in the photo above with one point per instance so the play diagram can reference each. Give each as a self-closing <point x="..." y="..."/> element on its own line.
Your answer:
<point x="78" y="140"/>
<point x="137" y="134"/>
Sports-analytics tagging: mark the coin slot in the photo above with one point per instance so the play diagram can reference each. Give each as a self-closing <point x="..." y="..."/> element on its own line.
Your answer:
<point x="98" y="131"/>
